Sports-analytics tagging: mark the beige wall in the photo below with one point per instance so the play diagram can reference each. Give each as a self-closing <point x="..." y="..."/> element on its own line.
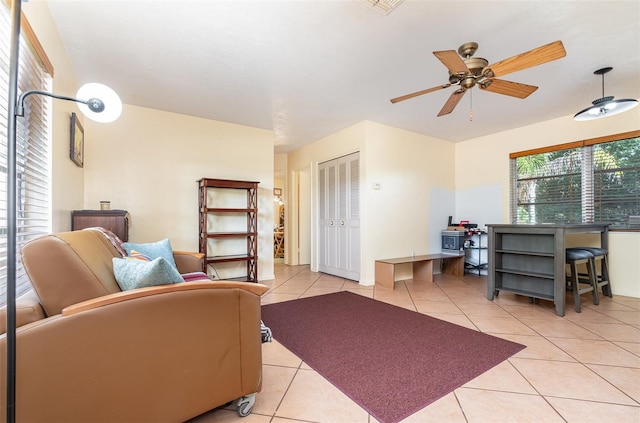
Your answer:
<point x="302" y="166"/>
<point x="482" y="180"/>
<point x="67" y="179"/>
<point x="408" y="211"/>
<point x="148" y="161"/>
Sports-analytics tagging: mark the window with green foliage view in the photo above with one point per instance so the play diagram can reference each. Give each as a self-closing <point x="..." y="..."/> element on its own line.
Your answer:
<point x="590" y="183"/>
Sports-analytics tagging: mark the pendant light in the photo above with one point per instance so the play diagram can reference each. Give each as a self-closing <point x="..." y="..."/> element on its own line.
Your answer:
<point x="605" y="106"/>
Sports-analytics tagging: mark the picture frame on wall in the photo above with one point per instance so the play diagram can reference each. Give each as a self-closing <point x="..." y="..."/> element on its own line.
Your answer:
<point x="76" y="151"/>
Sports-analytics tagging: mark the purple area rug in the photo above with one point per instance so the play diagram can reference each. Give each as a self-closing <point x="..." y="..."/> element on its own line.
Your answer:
<point x="389" y="360"/>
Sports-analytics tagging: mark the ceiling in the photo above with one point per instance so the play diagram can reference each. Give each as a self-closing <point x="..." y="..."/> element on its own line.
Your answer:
<point x="309" y="68"/>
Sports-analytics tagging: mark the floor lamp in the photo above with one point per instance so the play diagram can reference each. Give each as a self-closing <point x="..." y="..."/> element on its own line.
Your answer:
<point x="103" y="105"/>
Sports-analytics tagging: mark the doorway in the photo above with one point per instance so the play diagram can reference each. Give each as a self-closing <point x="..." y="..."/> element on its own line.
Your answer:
<point x="278" y="226"/>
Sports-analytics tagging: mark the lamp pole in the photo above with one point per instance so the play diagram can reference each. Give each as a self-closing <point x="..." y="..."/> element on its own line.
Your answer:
<point x="16" y="6"/>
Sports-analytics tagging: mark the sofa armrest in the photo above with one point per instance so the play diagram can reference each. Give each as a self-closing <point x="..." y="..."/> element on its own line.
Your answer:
<point x="28" y="309"/>
<point x="166" y="353"/>
<point x="254" y="288"/>
<point x="188" y="261"/>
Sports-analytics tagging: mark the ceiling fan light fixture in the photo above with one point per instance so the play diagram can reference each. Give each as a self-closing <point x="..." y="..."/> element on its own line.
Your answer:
<point x="605" y="106"/>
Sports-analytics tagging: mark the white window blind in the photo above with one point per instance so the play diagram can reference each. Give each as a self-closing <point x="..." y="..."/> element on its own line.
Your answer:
<point x="589" y="181"/>
<point x="616" y="181"/>
<point x="33" y="151"/>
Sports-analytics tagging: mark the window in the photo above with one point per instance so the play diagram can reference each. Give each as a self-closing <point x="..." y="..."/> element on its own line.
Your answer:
<point x="33" y="150"/>
<point x="588" y="181"/>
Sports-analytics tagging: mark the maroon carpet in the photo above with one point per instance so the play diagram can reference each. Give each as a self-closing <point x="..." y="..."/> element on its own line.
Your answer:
<point x="391" y="361"/>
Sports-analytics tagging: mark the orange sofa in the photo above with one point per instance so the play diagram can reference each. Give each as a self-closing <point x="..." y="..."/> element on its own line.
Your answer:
<point x="87" y="351"/>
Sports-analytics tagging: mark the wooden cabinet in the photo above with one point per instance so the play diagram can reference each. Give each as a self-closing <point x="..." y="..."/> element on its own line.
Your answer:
<point x="117" y="221"/>
<point x="228" y="213"/>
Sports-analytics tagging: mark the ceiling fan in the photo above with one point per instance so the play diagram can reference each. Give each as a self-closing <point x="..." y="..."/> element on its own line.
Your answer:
<point x="468" y="71"/>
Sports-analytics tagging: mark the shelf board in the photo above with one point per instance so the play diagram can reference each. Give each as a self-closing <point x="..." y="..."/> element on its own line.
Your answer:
<point x="230" y="258"/>
<point x="230" y="234"/>
<point x="526" y="293"/>
<point x="469" y="263"/>
<point x="526" y="253"/>
<point x="229" y="210"/>
<point x="524" y="273"/>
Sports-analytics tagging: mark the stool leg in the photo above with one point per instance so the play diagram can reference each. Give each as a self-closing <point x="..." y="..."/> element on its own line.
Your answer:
<point x="606" y="289"/>
<point x="593" y="278"/>
<point x="574" y="285"/>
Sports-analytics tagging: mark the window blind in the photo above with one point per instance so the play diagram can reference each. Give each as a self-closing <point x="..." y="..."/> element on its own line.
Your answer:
<point x="588" y="181"/>
<point x="33" y="152"/>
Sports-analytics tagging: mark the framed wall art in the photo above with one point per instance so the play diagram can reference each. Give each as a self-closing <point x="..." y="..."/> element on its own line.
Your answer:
<point x="76" y="151"/>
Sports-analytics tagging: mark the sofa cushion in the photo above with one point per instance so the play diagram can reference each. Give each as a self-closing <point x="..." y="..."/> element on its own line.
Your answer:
<point x="132" y="274"/>
<point x="153" y="250"/>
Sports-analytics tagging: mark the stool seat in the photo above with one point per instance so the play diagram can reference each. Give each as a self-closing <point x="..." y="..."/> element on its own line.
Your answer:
<point x="595" y="251"/>
<point x="577" y="254"/>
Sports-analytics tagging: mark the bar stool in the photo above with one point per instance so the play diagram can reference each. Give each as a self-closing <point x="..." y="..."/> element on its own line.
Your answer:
<point x="575" y="257"/>
<point x="602" y="278"/>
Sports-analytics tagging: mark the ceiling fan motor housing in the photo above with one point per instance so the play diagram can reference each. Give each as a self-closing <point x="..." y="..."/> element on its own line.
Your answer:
<point x="474" y="64"/>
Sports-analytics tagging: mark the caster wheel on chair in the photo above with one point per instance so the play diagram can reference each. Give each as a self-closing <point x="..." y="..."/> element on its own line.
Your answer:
<point x="245" y="405"/>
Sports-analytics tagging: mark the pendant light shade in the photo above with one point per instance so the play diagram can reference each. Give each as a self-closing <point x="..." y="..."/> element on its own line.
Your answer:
<point x="605" y="106"/>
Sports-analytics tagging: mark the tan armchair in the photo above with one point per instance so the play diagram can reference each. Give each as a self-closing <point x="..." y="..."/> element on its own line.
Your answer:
<point x="86" y="351"/>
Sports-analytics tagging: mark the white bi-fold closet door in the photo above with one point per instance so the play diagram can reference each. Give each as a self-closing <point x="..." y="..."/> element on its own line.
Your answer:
<point x="339" y="217"/>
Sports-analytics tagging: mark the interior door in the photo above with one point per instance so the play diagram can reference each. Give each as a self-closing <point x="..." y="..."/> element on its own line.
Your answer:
<point x="339" y="217"/>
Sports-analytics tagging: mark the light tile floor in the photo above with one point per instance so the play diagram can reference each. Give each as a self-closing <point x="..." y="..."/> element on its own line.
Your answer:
<point x="579" y="368"/>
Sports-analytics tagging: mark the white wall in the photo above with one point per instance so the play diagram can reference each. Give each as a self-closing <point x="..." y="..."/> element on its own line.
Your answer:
<point x="148" y="161"/>
<point x="482" y="180"/>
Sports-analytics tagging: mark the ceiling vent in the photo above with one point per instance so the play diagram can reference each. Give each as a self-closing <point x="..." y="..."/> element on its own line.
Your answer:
<point x="384" y="6"/>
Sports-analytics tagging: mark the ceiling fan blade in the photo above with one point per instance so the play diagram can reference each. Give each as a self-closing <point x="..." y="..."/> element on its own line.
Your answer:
<point x="514" y="89"/>
<point x="452" y="61"/>
<point x="531" y="58"/>
<point x="452" y="102"/>
<point x="416" y="94"/>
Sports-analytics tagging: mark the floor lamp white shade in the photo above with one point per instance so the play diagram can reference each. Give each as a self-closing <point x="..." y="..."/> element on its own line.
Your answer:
<point x="112" y="103"/>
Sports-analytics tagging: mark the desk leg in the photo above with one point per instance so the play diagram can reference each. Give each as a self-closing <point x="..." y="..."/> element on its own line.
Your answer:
<point x="423" y="270"/>
<point x="385" y="274"/>
<point x="560" y="284"/>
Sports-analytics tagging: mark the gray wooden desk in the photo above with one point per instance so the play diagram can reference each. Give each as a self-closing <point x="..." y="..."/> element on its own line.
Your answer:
<point x="530" y="259"/>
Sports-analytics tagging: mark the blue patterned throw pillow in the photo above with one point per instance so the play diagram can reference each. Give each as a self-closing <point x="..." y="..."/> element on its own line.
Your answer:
<point x="132" y="274"/>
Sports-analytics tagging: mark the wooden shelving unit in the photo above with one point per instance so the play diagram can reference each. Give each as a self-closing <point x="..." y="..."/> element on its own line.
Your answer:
<point x="207" y="189"/>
